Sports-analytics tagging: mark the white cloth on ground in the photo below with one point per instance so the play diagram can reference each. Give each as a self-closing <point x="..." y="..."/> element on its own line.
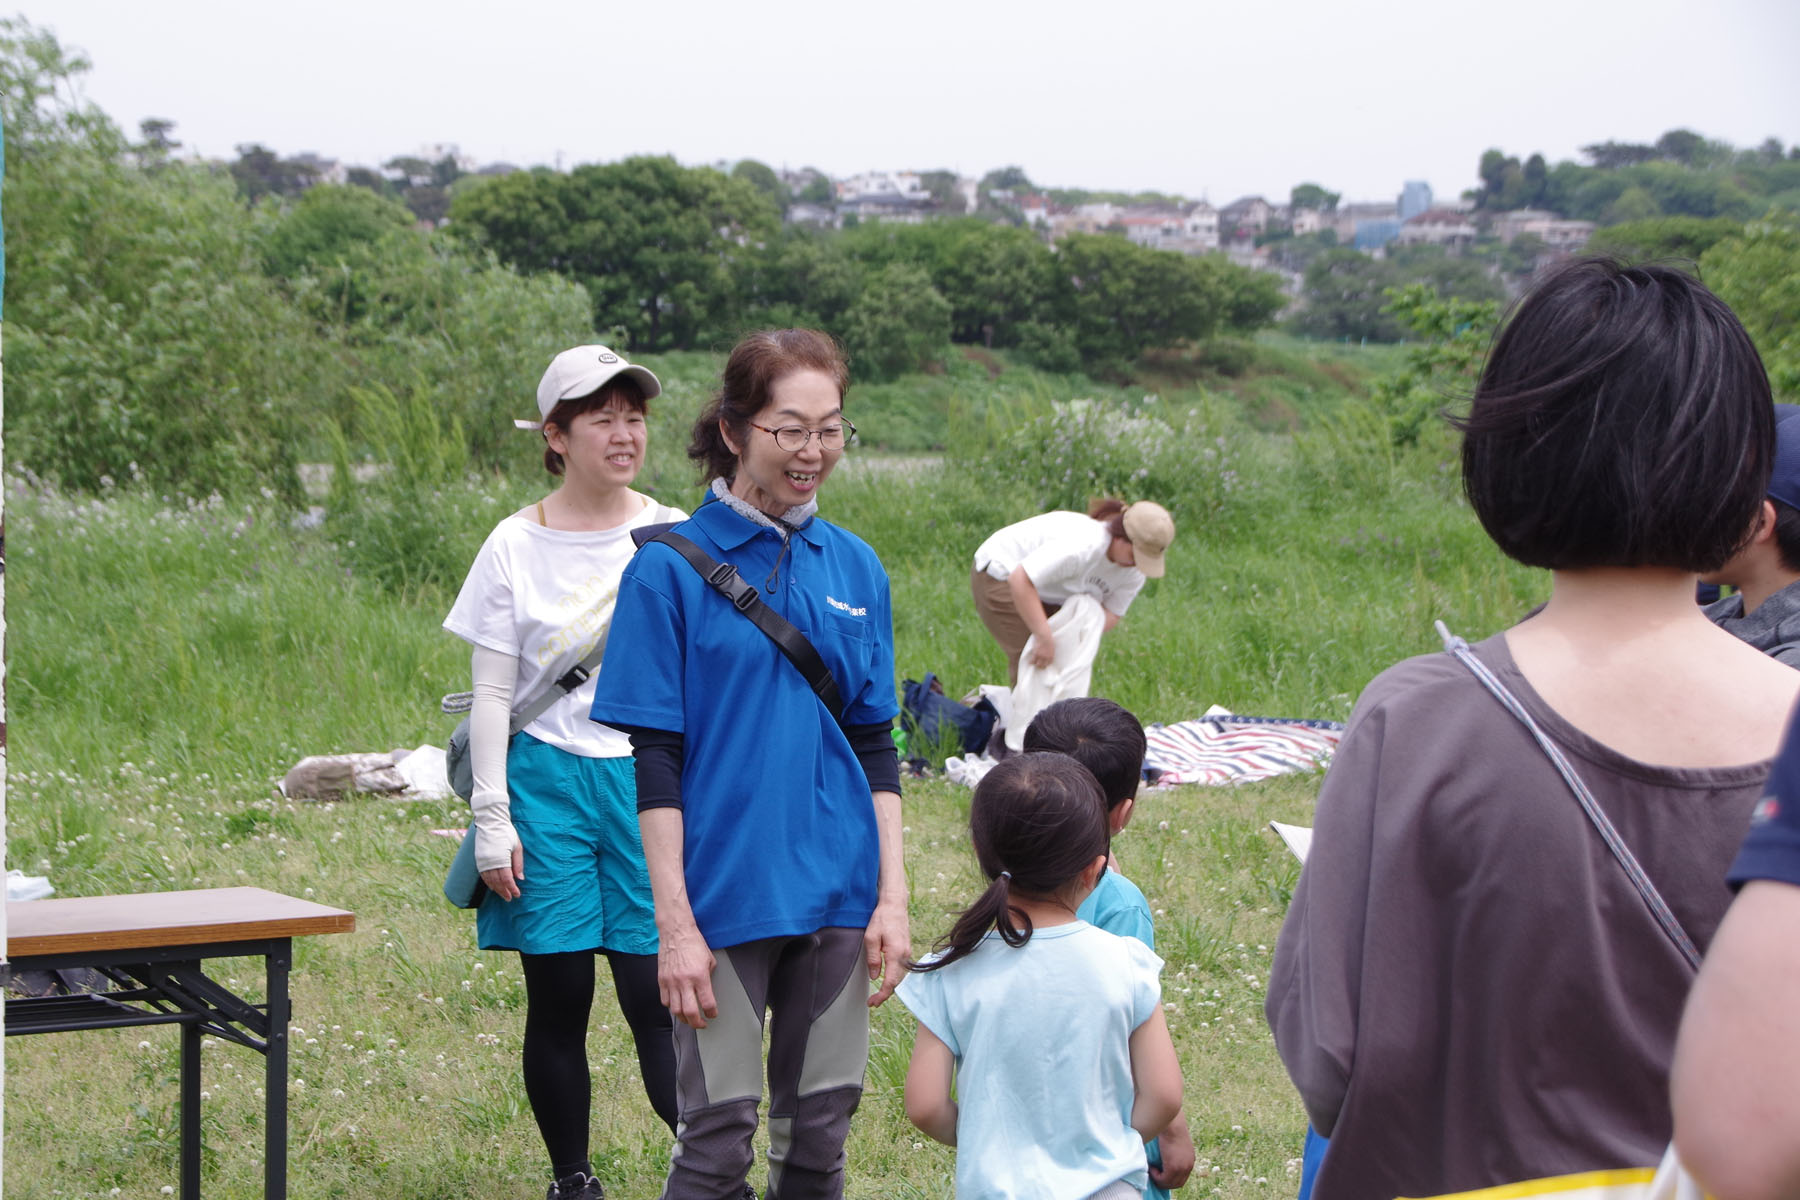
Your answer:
<point x="1077" y="627"/>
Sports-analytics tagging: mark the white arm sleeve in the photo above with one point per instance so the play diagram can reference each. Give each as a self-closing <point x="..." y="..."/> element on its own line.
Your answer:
<point x="490" y="724"/>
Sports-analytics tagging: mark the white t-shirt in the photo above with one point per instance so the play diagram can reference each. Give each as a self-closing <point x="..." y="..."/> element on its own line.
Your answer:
<point x="543" y="596"/>
<point x="1042" y="1040"/>
<point x="1063" y="553"/>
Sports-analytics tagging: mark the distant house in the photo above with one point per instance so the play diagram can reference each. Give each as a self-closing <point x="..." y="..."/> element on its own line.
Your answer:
<point x="323" y="170"/>
<point x="1035" y="208"/>
<point x="1203" y="226"/>
<point x="884" y="195"/>
<point x="1084" y="218"/>
<point x="1306" y="220"/>
<point x="822" y="216"/>
<point x="1560" y="235"/>
<point x="1365" y="225"/>
<point x="1438" y="227"/>
<point x="1244" y="218"/>
<point x="1415" y="198"/>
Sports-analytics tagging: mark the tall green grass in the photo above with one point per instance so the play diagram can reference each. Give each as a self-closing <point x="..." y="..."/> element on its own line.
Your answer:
<point x="170" y="660"/>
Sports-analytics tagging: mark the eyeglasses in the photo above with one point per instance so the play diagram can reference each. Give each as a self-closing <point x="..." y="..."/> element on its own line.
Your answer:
<point x="793" y="438"/>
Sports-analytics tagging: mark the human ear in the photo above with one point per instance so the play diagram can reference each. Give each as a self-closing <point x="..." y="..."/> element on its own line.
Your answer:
<point x="1765" y="522"/>
<point x="1090" y="874"/>
<point x="1120" y="816"/>
<point x="557" y="439"/>
<point x="725" y="433"/>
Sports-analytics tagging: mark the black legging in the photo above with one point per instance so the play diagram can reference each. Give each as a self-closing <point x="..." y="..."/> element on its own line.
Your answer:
<point x="559" y="995"/>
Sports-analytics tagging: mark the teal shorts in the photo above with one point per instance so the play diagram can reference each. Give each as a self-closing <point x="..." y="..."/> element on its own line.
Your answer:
<point x="585" y="886"/>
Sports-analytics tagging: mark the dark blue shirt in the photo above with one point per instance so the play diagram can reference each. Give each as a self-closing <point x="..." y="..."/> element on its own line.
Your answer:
<point x="1772" y="850"/>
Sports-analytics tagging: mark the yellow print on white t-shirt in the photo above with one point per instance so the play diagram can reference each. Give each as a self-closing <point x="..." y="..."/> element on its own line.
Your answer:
<point x="590" y="605"/>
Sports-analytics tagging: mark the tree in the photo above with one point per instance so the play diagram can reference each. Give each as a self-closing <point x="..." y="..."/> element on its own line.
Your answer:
<point x="1632" y="204"/>
<point x="1345" y="295"/>
<point x="1006" y="179"/>
<point x="40" y="103"/>
<point x="900" y="323"/>
<point x="818" y="189"/>
<point x="1534" y="176"/>
<point x="1449" y="276"/>
<point x="1758" y="274"/>
<point x="142" y="342"/>
<point x="1680" y="145"/>
<point x="1311" y="195"/>
<point x="653" y="242"/>
<point x="1297" y="253"/>
<point x="942" y="186"/>
<point x="260" y="172"/>
<point x="330" y="233"/>
<point x="799" y="277"/>
<point x="1115" y="300"/>
<point x="763" y="178"/>
<point x="1661" y="239"/>
<point x="157" y="145"/>
<point x="1608" y="155"/>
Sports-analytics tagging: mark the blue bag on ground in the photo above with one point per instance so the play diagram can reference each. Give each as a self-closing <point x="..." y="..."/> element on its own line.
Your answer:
<point x="932" y="719"/>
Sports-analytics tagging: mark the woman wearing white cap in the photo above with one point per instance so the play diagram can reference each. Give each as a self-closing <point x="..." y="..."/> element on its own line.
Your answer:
<point x="1026" y="571"/>
<point x="555" y="805"/>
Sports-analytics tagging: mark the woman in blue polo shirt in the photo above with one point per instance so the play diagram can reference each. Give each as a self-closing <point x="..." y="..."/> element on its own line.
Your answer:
<point x="771" y="829"/>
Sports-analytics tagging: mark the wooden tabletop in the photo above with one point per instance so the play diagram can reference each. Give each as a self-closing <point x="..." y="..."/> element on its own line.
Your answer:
<point x="159" y="919"/>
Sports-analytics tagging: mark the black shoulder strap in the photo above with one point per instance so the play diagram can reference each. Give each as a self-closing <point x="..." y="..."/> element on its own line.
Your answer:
<point x="744" y="597"/>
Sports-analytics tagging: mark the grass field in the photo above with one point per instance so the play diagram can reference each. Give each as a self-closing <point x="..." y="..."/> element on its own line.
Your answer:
<point x="170" y="659"/>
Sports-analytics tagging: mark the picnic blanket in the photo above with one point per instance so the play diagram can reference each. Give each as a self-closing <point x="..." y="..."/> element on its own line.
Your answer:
<point x="1218" y="748"/>
<point x="1222" y="747"/>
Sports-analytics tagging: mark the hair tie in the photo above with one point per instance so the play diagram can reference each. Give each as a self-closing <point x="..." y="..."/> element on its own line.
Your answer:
<point x="1006" y="875"/>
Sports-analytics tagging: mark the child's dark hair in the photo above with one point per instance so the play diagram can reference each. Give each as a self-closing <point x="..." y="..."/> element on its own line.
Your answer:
<point x="1623" y="419"/>
<point x="1037" y="821"/>
<point x="1100" y="735"/>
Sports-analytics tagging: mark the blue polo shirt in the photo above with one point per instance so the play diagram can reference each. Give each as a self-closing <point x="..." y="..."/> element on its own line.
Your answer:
<point x="1772" y="849"/>
<point x="779" y="827"/>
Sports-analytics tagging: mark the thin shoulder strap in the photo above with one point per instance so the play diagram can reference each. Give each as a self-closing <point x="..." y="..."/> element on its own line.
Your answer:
<point x="724" y="578"/>
<point x="1608" y="834"/>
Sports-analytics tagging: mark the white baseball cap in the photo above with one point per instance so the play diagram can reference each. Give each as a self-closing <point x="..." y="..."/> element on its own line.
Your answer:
<point x="583" y="371"/>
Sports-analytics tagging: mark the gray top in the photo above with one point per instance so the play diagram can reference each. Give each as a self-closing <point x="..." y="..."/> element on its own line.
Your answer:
<point x="1774" y="628"/>
<point x="1467" y="990"/>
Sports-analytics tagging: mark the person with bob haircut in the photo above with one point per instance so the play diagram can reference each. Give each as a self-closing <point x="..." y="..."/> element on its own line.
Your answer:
<point x="555" y="809"/>
<point x="772" y="828"/>
<point x="1468" y="989"/>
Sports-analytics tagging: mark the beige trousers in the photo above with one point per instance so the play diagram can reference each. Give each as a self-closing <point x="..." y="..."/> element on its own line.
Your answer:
<point x="994" y="605"/>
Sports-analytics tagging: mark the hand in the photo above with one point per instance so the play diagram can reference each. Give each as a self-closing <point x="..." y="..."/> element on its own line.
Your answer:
<point x="887" y="944"/>
<point x="1177" y="1147"/>
<point x="1043" y="649"/>
<point x="502" y="881"/>
<point x="684" y="967"/>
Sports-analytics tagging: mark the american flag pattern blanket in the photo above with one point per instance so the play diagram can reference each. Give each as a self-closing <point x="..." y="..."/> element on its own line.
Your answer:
<point x="1226" y="748"/>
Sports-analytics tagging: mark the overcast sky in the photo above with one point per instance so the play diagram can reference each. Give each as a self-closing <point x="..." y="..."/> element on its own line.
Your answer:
<point x="1191" y="96"/>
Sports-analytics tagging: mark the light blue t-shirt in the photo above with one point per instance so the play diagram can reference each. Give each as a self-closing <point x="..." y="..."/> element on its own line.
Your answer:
<point x="1042" y="1039"/>
<point x="1117" y="906"/>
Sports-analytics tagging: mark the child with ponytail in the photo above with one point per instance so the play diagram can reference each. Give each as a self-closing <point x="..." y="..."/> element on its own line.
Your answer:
<point x="1052" y="1029"/>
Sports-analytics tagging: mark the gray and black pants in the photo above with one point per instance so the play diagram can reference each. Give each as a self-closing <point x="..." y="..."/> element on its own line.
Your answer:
<point x="814" y="989"/>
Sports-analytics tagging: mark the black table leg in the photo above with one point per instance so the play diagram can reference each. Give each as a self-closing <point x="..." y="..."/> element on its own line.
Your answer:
<point x="275" y="1071"/>
<point x="190" y="1110"/>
